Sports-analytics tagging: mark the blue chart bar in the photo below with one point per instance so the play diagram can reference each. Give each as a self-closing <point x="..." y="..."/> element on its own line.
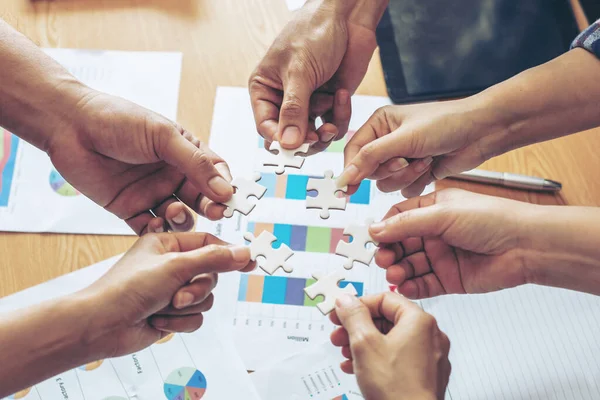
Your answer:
<point x="293" y="187"/>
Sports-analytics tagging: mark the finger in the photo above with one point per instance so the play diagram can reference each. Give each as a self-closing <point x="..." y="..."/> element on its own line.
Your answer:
<point x="339" y="337"/>
<point x="197" y="163"/>
<point x="211" y="258"/>
<point x="420" y="222"/>
<point x="196" y="292"/>
<point x="372" y="145"/>
<point x="405" y="177"/>
<point x="346" y="352"/>
<point x="386" y="257"/>
<point x="326" y="132"/>
<point x="347" y="367"/>
<point x="146" y="223"/>
<point x="176" y="323"/>
<point x="417" y="187"/>
<point x="201" y="307"/>
<point x="178" y="216"/>
<point x="320" y="104"/>
<point x="265" y="106"/>
<point x="390" y="306"/>
<point x="422" y="287"/>
<point x="293" y="116"/>
<point x="357" y="320"/>
<point x="467" y="159"/>
<point x="341" y="112"/>
<point x="391" y="167"/>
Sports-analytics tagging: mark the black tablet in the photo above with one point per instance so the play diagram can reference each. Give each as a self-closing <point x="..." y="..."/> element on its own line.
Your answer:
<point x="433" y="49"/>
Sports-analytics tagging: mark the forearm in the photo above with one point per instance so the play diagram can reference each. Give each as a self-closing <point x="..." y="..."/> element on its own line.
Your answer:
<point x="361" y="12"/>
<point x="563" y="247"/>
<point x="36" y="93"/>
<point x="554" y="99"/>
<point x="44" y="340"/>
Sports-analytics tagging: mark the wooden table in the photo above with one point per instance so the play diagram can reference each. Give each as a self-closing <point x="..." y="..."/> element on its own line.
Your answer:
<point x="222" y="41"/>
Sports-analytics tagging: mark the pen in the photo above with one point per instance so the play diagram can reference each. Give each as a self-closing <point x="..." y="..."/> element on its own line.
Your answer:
<point x="509" y="180"/>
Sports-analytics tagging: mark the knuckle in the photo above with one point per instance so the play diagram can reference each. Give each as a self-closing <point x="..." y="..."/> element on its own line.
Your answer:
<point x="201" y="160"/>
<point x="427" y="322"/>
<point x="362" y="342"/>
<point x="367" y="153"/>
<point x="292" y="107"/>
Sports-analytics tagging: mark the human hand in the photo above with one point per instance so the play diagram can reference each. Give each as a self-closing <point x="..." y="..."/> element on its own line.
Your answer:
<point x="453" y="241"/>
<point x="408" y="147"/>
<point x="394" y="348"/>
<point x="161" y="285"/>
<point x="131" y="160"/>
<point x="311" y="70"/>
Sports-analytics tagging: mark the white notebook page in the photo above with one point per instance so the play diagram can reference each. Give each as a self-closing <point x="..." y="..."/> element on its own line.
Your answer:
<point x="531" y="342"/>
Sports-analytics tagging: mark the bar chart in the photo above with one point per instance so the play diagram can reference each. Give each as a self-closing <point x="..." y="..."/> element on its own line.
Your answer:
<point x="311" y="239"/>
<point x="281" y="290"/>
<point x="293" y="187"/>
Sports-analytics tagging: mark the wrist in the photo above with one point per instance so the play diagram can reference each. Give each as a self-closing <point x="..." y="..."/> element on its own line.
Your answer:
<point x="366" y="13"/>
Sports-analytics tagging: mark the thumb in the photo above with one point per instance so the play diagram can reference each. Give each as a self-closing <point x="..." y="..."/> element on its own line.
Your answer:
<point x="197" y="163"/>
<point x="293" y="116"/>
<point x="467" y="159"/>
<point x="209" y="259"/>
<point x="356" y="318"/>
<point x="429" y="221"/>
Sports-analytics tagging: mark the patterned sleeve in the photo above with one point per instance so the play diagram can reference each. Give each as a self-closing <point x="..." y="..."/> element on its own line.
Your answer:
<point x="589" y="39"/>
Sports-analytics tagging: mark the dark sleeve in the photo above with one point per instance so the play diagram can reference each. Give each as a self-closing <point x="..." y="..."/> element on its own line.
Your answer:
<point x="589" y="39"/>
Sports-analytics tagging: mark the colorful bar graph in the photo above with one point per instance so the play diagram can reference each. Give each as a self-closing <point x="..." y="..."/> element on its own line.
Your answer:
<point x="281" y="290"/>
<point x="9" y="145"/>
<point x="293" y="187"/>
<point x="311" y="239"/>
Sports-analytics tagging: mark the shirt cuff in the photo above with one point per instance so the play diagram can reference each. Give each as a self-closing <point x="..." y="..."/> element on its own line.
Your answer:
<point x="589" y="39"/>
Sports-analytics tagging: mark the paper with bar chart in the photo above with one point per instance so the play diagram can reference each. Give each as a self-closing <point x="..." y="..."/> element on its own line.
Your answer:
<point x="314" y="374"/>
<point x="27" y="177"/>
<point x="199" y="366"/>
<point x="273" y="318"/>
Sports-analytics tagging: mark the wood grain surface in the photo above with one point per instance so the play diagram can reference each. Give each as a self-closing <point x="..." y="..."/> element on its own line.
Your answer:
<point x="222" y="41"/>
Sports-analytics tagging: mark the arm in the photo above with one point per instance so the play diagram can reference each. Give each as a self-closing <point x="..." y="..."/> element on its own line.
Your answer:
<point x="162" y="285"/>
<point x="47" y="339"/>
<point x="442" y="139"/>
<point x="37" y="95"/>
<point x="462" y="242"/>
<point x="311" y="70"/>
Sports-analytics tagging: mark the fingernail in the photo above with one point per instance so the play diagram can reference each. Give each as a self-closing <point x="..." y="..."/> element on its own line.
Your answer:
<point x="290" y="135"/>
<point x="220" y="186"/>
<point x="343" y="98"/>
<point x="180" y="218"/>
<point x="423" y="164"/>
<point x="398" y="164"/>
<point x="328" y="137"/>
<point x="159" y="229"/>
<point x="159" y="322"/>
<point x="184" y="300"/>
<point x="239" y="253"/>
<point x="345" y="300"/>
<point x="377" y="227"/>
<point x="349" y="174"/>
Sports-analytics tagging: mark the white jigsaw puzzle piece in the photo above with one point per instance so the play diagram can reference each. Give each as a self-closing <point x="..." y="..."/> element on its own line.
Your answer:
<point x="326" y="195"/>
<point x="357" y="250"/>
<point x="285" y="157"/>
<point x="327" y="286"/>
<point x="261" y="246"/>
<point x="244" y="189"/>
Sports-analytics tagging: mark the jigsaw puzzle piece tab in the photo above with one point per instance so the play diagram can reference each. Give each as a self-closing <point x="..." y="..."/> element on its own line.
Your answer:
<point x="244" y="189"/>
<point x="327" y="286"/>
<point x="326" y="198"/>
<point x="357" y="249"/>
<point x="262" y="246"/>
<point x="285" y="157"/>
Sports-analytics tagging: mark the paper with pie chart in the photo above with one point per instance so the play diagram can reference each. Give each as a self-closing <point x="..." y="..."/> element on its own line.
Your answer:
<point x="199" y="366"/>
<point x="34" y="196"/>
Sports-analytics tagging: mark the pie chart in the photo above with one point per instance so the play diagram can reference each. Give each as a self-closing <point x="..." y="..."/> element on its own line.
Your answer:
<point x="60" y="186"/>
<point x="20" y="395"/>
<point x="185" y="384"/>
